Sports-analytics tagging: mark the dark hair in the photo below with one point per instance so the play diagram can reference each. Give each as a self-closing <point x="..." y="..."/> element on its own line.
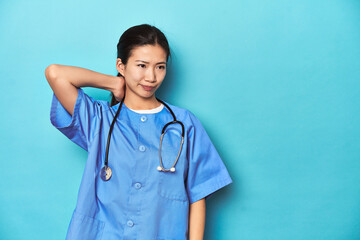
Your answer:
<point x="139" y="35"/>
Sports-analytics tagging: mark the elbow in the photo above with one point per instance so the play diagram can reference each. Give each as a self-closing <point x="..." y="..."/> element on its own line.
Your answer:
<point x="51" y="72"/>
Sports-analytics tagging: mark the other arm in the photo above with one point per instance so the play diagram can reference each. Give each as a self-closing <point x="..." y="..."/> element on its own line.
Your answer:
<point x="64" y="81"/>
<point x="197" y="220"/>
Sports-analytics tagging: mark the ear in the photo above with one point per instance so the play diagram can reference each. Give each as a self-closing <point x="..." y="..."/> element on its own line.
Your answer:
<point x="120" y="66"/>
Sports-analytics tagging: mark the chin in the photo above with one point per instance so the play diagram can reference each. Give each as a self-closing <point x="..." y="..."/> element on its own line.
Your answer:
<point x="149" y="95"/>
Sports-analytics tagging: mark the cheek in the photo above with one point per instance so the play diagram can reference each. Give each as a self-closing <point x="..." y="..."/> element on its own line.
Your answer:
<point x="162" y="75"/>
<point x="134" y="75"/>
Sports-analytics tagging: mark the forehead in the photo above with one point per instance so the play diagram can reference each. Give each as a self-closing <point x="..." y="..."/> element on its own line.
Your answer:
<point x="148" y="53"/>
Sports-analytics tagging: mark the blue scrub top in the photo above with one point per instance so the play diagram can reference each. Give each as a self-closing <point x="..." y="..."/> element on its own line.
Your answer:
<point x="138" y="202"/>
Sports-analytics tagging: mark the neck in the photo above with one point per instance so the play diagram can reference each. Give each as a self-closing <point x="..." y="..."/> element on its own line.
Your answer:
<point x="137" y="103"/>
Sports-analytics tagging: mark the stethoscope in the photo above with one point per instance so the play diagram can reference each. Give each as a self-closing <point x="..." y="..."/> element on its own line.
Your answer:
<point x="106" y="172"/>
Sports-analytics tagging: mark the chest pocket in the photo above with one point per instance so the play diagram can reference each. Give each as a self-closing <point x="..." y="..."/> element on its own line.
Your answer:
<point x="171" y="184"/>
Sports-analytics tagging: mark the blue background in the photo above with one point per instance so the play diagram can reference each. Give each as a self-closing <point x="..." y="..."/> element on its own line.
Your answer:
<point x="275" y="84"/>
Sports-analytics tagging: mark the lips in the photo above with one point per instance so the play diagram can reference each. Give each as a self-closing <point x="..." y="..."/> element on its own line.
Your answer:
<point x="147" y="88"/>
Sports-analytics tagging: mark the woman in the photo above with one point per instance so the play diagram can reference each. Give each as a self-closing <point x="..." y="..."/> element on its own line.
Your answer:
<point x="137" y="190"/>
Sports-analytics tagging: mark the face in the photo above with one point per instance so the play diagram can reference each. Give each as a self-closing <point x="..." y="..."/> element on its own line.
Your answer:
<point x="144" y="71"/>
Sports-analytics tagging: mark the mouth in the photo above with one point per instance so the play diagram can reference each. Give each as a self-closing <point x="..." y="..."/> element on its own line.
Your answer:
<point x="147" y="88"/>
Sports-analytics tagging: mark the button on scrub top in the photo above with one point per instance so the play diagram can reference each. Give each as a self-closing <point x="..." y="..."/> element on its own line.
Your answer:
<point x="138" y="202"/>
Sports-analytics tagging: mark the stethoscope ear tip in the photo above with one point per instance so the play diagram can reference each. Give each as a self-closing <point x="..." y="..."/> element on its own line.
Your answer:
<point x="159" y="168"/>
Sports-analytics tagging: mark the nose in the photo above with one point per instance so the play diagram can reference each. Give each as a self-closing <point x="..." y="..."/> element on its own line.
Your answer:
<point x="150" y="75"/>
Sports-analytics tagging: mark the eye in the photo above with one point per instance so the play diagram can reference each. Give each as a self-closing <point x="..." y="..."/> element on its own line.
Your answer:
<point x="142" y="65"/>
<point x="161" y="67"/>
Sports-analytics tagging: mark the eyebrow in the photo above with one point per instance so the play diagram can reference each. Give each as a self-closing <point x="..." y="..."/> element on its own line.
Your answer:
<point x="148" y="62"/>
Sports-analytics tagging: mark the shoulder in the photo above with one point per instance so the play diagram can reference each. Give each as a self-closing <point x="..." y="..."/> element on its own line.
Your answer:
<point x="186" y="116"/>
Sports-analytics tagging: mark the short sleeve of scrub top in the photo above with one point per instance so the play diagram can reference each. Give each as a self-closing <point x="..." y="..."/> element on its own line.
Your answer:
<point x="207" y="172"/>
<point x="80" y="127"/>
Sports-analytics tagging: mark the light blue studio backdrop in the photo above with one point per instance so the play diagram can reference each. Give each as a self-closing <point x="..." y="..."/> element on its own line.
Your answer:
<point x="275" y="84"/>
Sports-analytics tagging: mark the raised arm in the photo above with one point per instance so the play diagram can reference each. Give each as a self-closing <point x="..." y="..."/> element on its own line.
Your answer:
<point x="64" y="81"/>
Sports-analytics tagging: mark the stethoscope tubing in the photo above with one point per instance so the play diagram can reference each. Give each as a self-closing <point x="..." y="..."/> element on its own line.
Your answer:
<point x="106" y="174"/>
<point x="110" y="131"/>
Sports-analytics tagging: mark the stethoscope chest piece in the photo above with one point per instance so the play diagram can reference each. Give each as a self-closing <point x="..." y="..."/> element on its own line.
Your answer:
<point x="105" y="173"/>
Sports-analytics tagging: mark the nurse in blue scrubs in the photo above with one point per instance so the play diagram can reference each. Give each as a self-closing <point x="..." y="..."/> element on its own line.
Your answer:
<point x="138" y="201"/>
